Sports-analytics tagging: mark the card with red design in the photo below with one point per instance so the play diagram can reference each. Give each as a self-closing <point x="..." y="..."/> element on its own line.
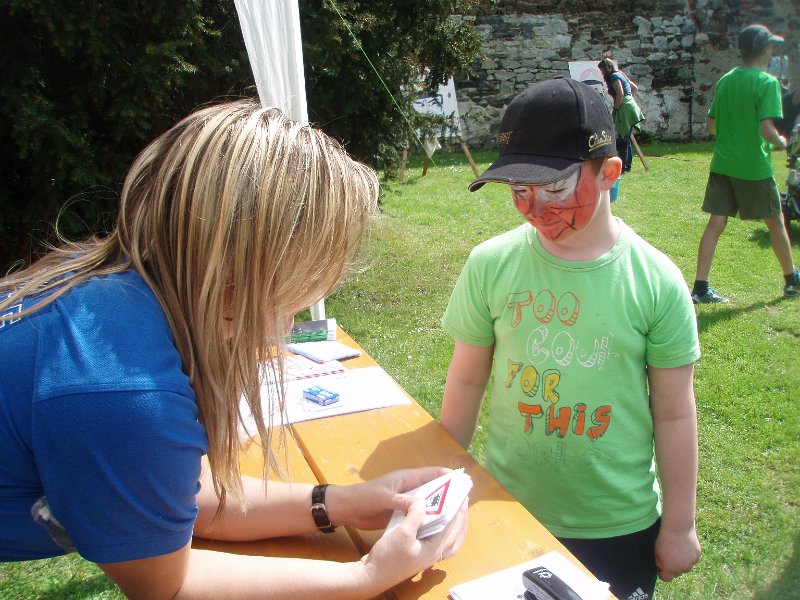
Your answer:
<point x="443" y="497"/>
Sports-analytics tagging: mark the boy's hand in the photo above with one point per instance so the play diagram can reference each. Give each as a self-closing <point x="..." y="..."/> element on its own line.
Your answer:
<point x="676" y="552"/>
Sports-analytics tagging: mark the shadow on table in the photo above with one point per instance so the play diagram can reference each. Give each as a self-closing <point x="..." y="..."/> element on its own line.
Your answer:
<point x="431" y="445"/>
<point x="336" y="547"/>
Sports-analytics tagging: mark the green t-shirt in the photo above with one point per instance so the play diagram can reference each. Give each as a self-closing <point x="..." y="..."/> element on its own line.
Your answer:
<point x="744" y="97"/>
<point x="570" y="428"/>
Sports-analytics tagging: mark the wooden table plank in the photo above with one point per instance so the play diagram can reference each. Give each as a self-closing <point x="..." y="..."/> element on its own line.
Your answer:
<point x="337" y="546"/>
<point x="361" y="446"/>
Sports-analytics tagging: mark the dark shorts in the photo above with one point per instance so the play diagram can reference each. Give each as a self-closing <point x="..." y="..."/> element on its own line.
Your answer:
<point x="729" y="196"/>
<point x="627" y="562"/>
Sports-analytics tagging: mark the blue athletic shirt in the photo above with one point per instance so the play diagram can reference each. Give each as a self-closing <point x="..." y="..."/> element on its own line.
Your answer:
<point x="97" y="415"/>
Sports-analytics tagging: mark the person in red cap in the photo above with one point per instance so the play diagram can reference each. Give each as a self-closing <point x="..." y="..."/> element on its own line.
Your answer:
<point x="591" y="336"/>
<point x="747" y="101"/>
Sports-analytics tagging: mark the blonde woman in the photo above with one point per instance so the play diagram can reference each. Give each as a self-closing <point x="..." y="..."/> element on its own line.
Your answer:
<point x="124" y="359"/>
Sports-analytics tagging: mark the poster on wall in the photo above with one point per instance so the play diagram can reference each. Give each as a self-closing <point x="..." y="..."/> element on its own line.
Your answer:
<point x="589" y="73"/>
<point x="442" y="104"/>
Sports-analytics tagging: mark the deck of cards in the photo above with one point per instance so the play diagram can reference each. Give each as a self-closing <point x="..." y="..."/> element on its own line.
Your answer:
<point x="443" y="497"/>
<point x="319" y="395"/>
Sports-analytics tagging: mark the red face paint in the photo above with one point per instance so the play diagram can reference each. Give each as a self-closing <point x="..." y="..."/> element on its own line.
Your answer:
<point x="557" y="210"/>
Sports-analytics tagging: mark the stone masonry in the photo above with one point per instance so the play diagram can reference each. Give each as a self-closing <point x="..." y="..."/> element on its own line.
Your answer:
<point x="675" y="50"/>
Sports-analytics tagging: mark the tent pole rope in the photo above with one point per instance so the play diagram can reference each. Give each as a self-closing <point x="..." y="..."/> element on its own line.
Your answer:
<point x="375" y="70"/>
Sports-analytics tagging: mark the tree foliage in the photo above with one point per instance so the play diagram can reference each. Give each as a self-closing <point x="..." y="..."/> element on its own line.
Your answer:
<point x="364" y="59"/>
<point x="86" y="85"/>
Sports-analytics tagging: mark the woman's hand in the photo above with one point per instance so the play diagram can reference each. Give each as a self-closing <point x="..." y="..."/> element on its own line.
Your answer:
<point x="399" y="555"/>
<point x="369" y="505"/>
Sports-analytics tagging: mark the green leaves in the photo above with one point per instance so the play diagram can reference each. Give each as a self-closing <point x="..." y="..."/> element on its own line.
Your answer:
<point x="86" y="85"/>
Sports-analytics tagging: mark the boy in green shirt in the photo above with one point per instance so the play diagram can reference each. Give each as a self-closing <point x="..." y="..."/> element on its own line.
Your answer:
<point x="591" y="337"/>
<point x="741" y="181"/>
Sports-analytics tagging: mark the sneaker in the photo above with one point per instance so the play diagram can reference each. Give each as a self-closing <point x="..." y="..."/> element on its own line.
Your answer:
<point x="711" y="297"/>
<point x="790" y="290"/>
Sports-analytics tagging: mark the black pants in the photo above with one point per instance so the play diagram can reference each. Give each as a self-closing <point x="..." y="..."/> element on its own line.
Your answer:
<point x="627" y="562"/>
<point x="625" y="151"/>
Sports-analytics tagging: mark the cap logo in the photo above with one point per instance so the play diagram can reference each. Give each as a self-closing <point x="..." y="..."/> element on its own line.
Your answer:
<point x="505" y="137"/>
<point x="599" y="140"/>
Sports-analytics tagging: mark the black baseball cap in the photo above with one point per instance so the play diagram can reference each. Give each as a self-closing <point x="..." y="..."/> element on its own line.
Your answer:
<point x="754" y="38"/>
<point x="548" y="131"/>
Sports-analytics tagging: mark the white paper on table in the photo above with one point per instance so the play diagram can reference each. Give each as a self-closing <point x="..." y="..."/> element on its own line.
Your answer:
<point x="323" y="351"/>
<point x="507" y="584"/>
<point x="360" y="389"/>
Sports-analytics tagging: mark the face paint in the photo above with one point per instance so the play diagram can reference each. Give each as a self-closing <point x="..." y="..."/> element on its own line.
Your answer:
<point x="557" y="210"/>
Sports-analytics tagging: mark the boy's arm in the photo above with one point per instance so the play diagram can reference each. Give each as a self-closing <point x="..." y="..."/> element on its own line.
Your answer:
<point x="463" y="391"/>
<point x="771" y="134"/>
<point x="675" y="431"/>
<point x="711" y="126"/>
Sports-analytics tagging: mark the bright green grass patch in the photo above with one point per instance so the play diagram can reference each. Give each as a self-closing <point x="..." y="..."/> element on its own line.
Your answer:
<point x="747" y="382"/>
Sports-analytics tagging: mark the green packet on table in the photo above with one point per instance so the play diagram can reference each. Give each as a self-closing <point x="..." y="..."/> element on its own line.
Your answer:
<point x="312" y="331"/>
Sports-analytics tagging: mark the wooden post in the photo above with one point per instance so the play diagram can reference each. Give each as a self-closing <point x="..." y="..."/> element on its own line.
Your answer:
<point x="469" y="157"/>
<point x="403" y="164"/>
<point x="639" y="152"/>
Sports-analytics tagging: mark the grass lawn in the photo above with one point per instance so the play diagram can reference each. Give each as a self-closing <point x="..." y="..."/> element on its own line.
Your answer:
<point x="747" y="382"/>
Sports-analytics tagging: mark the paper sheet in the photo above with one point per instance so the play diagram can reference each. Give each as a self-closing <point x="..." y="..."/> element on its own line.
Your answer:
<point x="507" y="584"/>
<point x="323" y="351"/>
<point x="359" y="389"/>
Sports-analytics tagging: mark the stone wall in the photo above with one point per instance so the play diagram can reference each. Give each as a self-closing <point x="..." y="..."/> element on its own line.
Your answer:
<point x="675" y="50"/>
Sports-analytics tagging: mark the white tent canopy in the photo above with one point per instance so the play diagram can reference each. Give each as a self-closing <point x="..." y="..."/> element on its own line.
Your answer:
<point x="271" y="33"/>
<point x="271" y="30"/>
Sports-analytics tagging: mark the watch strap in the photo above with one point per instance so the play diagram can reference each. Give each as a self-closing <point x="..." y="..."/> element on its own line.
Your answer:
<point x="319" y="511"/>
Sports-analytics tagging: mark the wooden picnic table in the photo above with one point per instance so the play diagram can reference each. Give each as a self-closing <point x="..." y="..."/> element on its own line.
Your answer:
<point x="359" y="446"/>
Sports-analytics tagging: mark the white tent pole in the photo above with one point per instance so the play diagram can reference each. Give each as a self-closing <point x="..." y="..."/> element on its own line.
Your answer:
<point x="271" y="31"/>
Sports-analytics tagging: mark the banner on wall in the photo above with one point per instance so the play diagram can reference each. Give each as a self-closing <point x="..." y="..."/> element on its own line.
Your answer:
<point x="443" y="104"/>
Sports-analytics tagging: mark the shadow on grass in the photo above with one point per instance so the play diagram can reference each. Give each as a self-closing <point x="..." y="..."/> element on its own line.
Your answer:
<point x="658" y="150"/>
<point x="788" y="584"/>
<point x="761" y="236"/>
<point x="724" y="312"/>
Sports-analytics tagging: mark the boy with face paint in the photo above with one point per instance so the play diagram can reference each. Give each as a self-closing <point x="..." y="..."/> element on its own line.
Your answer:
<point x="590" y="338"/>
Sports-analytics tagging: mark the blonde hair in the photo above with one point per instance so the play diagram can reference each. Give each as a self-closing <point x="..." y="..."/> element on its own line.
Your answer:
<point x="236" y="210"/>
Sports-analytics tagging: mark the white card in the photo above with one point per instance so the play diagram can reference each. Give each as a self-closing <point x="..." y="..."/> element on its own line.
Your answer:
<point x="443" y="497"/>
